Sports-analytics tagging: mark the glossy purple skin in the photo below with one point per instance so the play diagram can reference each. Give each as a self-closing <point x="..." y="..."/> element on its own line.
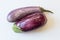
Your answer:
<point x="32" y="21"/>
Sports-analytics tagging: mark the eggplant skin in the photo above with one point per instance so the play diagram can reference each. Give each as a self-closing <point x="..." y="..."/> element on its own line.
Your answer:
<point x="32" y="21"/>
<point x="21" y="12"/>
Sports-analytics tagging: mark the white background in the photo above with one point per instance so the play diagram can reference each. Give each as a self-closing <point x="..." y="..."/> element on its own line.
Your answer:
<point x="51" y="31"/>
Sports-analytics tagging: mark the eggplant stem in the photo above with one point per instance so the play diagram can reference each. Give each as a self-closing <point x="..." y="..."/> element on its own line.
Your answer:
<point x="16" y="29"/>
<point x="43" y="10"/>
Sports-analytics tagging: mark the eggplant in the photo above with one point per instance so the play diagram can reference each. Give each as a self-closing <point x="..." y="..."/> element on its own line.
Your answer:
<point x="31" y="21"/>
<point x="19" y="13"/>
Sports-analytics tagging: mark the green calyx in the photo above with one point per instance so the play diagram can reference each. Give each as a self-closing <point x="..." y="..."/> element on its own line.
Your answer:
<point x="43" y="10"/>
<point x="16" y="29"/>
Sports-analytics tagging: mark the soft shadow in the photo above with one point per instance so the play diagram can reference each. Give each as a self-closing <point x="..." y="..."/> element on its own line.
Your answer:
<point x="47" y="26"/>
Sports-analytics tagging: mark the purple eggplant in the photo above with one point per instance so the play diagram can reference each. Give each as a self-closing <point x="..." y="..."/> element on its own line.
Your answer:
<point x="19" y="13"/>
<point x="31" y="21"/>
